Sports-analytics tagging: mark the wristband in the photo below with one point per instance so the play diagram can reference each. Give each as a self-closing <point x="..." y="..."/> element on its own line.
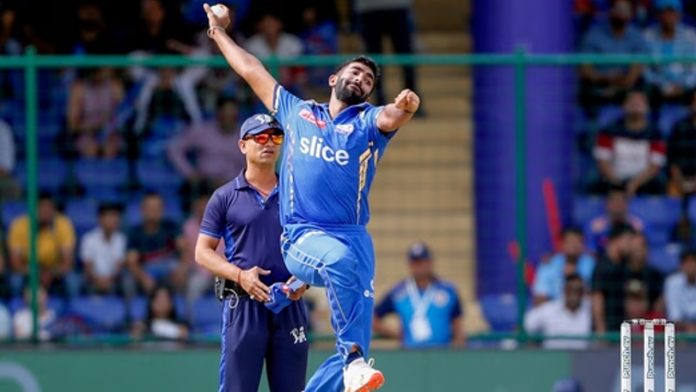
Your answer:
<point x="212" y="29"/>
<point x="239" y="276"/>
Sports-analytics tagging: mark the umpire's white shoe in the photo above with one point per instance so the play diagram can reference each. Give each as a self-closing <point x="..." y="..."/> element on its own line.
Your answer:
<point x="359" y="376"/>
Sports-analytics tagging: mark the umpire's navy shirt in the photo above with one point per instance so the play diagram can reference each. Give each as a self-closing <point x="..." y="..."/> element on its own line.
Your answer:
<point x="250" y="227"/>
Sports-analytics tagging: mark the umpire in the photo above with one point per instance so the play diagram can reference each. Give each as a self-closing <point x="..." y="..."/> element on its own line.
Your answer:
<point x="244" y="213"/>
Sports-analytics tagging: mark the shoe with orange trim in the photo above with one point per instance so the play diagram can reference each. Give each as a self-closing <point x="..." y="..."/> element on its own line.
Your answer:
<point x="359" y="376"/>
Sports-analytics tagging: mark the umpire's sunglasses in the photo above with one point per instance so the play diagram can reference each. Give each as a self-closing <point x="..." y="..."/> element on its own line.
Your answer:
<point x="262" y="138"/>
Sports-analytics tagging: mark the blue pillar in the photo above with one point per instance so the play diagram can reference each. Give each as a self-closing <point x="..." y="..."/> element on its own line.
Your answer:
<point x="502" y="26"/>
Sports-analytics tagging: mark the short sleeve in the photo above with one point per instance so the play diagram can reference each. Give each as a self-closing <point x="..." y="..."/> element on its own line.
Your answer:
<point x="368" y="117"/>
<point x="386" y="306"/>
<point x="17" y="237"/>
<point x="213" y="223"/>
<point x="604" y="147"/>
<point x="542" y="281"/>
<point x="66" y="233"/>
<point x="533" y="320"/>
<point x="672" y="295"/>
<point x="121" y="251"/>
<point x="87" y="249"/>
<point x="283" y="103"/>
<point x="658" y="150"/>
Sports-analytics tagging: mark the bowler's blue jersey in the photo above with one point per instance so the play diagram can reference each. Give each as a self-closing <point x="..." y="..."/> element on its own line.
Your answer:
<point x="328" y="164"/>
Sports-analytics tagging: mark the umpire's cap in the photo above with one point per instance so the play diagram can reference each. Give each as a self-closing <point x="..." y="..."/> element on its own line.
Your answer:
<point x="257" y="124"/>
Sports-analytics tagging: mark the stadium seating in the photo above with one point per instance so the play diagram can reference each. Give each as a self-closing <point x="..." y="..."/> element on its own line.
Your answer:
<point x="137" y="309"/>
<point x="11" y="210"/>
<point x="500" y="311"/>
<point x="608" y="115"/>
<point x="51" y="175"/>
<point x="158" y="176"/>
<point x="669" y="115"/>
<point x="83" y="213"/>
<point x="205" y="315"/>
<point x="54" y="303"/>
<point x="96" y="175"/>
<point x="587" y="208"/>
<point x="656" y="212"/>
<point x="103" y="313"/>
<point x="664" y="258"/>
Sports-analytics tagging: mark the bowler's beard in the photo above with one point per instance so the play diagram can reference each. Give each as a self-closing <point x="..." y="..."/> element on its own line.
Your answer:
<point x="348" y="96"/>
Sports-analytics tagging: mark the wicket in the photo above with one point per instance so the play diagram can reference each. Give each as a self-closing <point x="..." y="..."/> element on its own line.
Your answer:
<point x="648" y="354"/>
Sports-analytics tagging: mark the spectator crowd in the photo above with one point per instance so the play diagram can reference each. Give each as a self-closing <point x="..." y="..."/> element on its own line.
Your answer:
<point x="128" y="157"/>
<point x="630" y="254"/>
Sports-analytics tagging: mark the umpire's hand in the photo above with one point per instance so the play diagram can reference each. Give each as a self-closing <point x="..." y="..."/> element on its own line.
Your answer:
<point x="249" y="280"/>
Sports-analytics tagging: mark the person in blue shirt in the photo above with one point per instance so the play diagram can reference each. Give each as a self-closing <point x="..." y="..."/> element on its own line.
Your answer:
<point x="244" y="212"/>
<point x="428" y="307"/>
<point x="329" y="161"/>
<point x="608" y="84"/>
<point x="572" y="259"/>
<point x="680" y="293"/>
<point x="670" y="82"/>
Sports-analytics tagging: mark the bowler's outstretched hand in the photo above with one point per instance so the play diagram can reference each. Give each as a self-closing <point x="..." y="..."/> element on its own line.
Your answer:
<point x="220" y="19"/>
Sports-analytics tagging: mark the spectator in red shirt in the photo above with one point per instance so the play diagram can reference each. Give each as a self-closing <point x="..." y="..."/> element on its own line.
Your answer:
<point x="631" y="152"/>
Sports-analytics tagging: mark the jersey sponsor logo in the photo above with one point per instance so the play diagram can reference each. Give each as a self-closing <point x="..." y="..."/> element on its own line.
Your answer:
<point x="345" y="129"/>
<point x="309" y="116"/>
<point x="298" y="334"/>
<point x="315" y="147"/>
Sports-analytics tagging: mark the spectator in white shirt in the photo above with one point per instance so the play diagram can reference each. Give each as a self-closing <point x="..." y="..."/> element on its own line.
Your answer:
<point x="103" y="252"/>
<point x="9" y="189"/>
<point x="271" y="41"/>
<point x="567" y="316"/>
<point x="22" y="322"/>
<point x="680" y="293"/>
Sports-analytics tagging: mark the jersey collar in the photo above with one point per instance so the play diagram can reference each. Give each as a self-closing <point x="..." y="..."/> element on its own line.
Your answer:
<point x="349" y="109"/>
<point x="240" y="182"/>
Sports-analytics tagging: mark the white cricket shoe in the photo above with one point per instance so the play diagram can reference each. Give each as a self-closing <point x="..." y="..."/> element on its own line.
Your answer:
<point x="359" y="376"/>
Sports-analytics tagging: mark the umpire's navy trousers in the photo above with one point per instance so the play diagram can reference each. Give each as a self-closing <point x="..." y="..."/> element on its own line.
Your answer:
<point x="252" y="334"/>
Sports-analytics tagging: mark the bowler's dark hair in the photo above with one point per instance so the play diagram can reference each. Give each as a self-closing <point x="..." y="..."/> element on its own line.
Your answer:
<point x="362" y="59"/>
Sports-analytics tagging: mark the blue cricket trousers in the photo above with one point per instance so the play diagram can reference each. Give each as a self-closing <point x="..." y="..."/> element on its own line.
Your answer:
<point x="252" y="334"/>
<point x="341" y="259"/>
